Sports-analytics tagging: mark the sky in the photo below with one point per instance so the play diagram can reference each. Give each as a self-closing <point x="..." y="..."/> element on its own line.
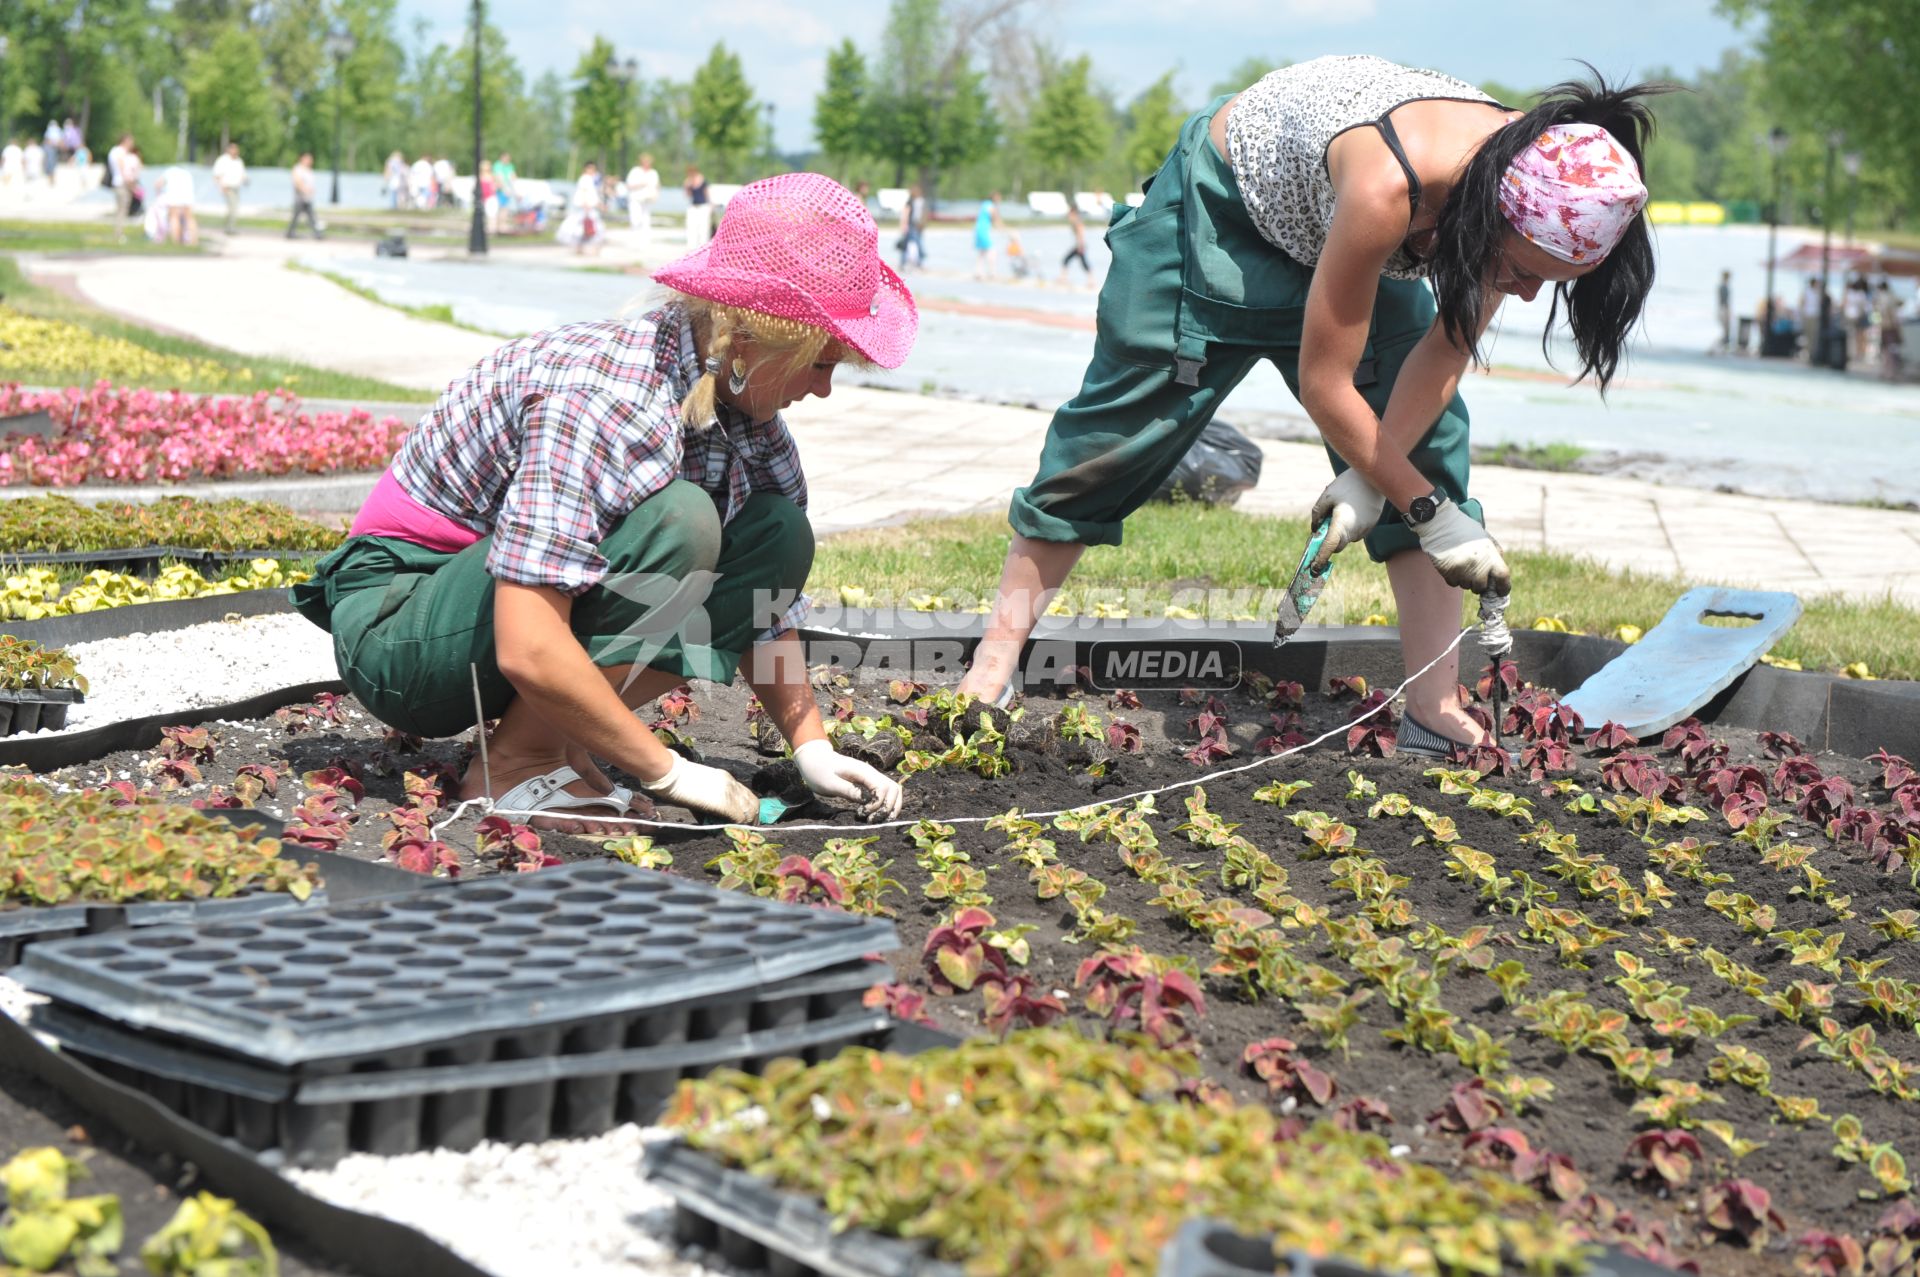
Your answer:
<point x="783" y="43"/>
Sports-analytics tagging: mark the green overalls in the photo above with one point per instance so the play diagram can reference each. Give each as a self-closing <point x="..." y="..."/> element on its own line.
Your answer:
<point x="409" y="622"/>
<point x="1193" y="299"/>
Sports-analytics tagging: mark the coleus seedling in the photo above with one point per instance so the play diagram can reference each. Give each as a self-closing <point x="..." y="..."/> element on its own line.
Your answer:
<point x="1824" y="1254"/>
<point x="900" y="1001"/>
<point x="1742" y="1211"/>
<point x="1469" y="1107"/>
<point x="956" y="954"/>
<point x="1693" y="743"/>
<point x="1275" y="1061"/>
<point x="1667" y="1155"/>
<point x="1286" y="735"/>
<point x="1373" y="730"/>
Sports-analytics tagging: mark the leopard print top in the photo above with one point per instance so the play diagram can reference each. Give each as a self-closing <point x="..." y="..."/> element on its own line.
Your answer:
<point x="1278" y="134"/>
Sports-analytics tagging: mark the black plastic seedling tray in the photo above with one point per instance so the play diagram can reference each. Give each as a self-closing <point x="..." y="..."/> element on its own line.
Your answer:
<point x="1209" y="1248"/>
<point x="37" y="711"/>
<point x="522" y="952"/>
<point x="519" y="1087"/>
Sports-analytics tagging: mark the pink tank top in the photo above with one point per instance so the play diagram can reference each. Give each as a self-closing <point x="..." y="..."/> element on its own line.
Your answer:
<point x="390" y="512"/>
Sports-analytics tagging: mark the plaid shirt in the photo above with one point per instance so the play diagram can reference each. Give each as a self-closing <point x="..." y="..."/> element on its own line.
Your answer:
<point x="551" y="440"/>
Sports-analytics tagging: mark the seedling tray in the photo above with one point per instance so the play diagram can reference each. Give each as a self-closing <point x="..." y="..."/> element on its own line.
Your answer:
<point x="518" y="1087"/>
<point x="1209" y="1248"/>
<point x="518" y="952"/>
<point x="37" y="711"/>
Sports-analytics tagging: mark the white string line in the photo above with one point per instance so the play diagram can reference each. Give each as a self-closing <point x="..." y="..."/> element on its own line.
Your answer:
<point x="486" y="804"/>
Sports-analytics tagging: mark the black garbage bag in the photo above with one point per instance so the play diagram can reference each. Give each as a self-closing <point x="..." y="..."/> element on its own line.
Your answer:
<point x="1221" y="465"/>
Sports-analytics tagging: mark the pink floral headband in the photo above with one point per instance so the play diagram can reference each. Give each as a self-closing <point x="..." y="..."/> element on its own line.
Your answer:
<point x="1573" y="192"/>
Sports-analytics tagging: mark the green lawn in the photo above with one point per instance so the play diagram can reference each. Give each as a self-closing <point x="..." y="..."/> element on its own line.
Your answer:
<point x="223" y="367"/>
<point x="81" y="237"/>
<point x="433" y="312"/>
<point x="1197" y="548"/>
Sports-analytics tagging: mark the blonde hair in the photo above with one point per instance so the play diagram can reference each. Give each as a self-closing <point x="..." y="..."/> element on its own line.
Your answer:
<point x="785" y="346"/>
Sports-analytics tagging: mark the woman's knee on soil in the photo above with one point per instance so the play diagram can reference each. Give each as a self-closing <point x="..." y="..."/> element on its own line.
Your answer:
<point x="780" y="532"/>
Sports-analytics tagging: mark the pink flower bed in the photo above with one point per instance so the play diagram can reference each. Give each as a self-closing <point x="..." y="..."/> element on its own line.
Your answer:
<point x="111" y="435"/>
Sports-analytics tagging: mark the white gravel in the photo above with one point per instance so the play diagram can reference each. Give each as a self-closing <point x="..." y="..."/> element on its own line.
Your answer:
<point x="16" y="1000"/>
<point x="581" y="1207"/>
<point x="212" y="664"/>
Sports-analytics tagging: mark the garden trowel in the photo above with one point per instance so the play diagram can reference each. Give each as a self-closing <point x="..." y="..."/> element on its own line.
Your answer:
<point x="1304" y="589"/>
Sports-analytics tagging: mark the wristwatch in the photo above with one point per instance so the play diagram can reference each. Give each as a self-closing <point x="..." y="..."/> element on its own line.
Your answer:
<point x="1422" y="509"/>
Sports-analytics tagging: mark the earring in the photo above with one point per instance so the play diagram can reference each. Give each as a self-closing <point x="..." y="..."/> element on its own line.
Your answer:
<point x="737" y="382"/>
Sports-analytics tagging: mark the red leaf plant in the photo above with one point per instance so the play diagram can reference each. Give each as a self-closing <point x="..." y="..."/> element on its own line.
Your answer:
<point x="899" y="1001"/>
<point x="1363" y="1113"/>
<point x="1821" y="1254"/>
<point x="1740" y="1210"/>
<point x="1637" y="773"/>
<point x="1102" y="977"/>
<point x="424" y="856"/>
<point x="1204" y="1090"/>
<point x="1124" y="699"/>
<point x="1286" y="694"/>
<point x="253" y="780"/>
<point x="1124" y="738"/>
<point x="1162" y="1004"/>
<point x="1792" y="777"/>
<point x="1354" y="684"/>
<point x="1543" y="758"/>
<point x="1668" y="1155"/>
<point x="1010" y="1000"/>
<point x="512" y="846"/>
<point x="1552" y="1175"/>
<point x="193" y="744"/>
<point x="957" y="954"/>
<point x="1695" y="745"/>
<point x="1496" y="1148"/>
<point x="1485" y="759"/>
<point x="678" y="705"/>
<point x="1372" y="731"/>
<point x="1895" y="771"/>
<point x="1469" y="1107"/>
<point x="802" y="884"/>
<point x="1739" y="792"/>
<point x="333" y="780"/>
<point x="1824" y="799"/>
<point x="1780" y="744"/>
<point x="1508" y="675"/>
<point x="1610" y="738"/>
<point x="1273" y="1061"/>
<point x="1286" y="735"/>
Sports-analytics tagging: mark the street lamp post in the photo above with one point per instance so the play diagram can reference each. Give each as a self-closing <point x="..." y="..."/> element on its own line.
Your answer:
<point x="339" y="47"/>
<point x="1818" y="356"/>
<point x="624" y="74"/>
<point x="1851" y="162"/>
<point x="477" y="234"/>
<point x="6" y="116"/>
<point x="1777" y="144"/>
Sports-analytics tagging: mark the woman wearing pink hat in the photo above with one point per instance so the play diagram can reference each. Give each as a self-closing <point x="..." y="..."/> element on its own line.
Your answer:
<point x="1300" y="221"/>
<point x="595" y="514"/>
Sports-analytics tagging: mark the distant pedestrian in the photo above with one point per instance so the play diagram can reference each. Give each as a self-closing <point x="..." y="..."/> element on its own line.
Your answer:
<point x="303" y="191"/>
<point x="1886" y="309"/>
<point x="420" y="182"/>
<point x="13" y="165"/>
<point x="230" y="174"/>
<point x="50" y="150"/>
<point x="1856" y="308"/>
<point x="129" y="199"/>
<point x="71" y="143"/>
<point x="913" y="226"/>
<point x="395" y="182"/>
<point x="1810" y="299"/>
<point x="443" y="176"/>
<point x="1723" y="310"/>
<point x="643" y="188"/>
<point x="505" y="177"/>
<point x="35" y="162"/>
<point x="984" y="223"/>
<point x="699" y="210"/>
<point x="584" y="225"/>
<point x="1078" y="252"/>
<point x="180" y="225"/>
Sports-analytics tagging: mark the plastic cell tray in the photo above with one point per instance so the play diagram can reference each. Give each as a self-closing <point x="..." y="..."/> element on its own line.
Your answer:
<point x="37" y="711"/>
<point x="31" y="924"/>
<point x="520" y="952"/>
<point x="1209" y="1248"/>
<point x="563" y="1080"/>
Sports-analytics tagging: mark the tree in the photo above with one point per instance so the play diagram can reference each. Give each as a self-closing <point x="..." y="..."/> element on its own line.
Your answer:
<point x="724" y="117"/>
<point x="600" y="102"/>
<point x="1245" y="73"/>
<point x="1153" y="126"/>
<point x="837" y="117"/>
<point x="229" y="93"/>
<point x="929" y="109"/>
<point x="1069" y="130"/>
<point x="1848" y="65"/>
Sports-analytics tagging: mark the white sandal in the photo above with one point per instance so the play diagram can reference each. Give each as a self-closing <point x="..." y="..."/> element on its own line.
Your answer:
<point x="546" y="795"/>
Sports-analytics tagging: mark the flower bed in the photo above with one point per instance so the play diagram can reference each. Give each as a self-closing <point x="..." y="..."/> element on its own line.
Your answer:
<point x="38" y="593"/>
<point x="59" y="524"/>
<point x="108" y="435"/>
<point x="35" y="345"/>
<point x="1668" y="987"/>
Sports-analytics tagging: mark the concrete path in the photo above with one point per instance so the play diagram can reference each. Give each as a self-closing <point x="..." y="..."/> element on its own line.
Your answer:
<point x="877" y="457"/>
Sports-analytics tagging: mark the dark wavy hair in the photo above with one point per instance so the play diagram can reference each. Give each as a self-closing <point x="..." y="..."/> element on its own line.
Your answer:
<point x="1602" y="305"/>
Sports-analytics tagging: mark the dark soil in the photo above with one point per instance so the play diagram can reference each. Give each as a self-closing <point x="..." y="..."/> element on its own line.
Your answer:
<point x="150" y="1185"/>
<point x="1588" y="1116"/>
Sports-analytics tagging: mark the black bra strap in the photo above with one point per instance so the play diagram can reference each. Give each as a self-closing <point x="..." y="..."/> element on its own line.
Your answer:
<point x="1392" y="139"/>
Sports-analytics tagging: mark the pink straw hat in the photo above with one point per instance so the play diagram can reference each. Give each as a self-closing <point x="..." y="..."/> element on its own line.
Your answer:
<point x="801" y="246"/>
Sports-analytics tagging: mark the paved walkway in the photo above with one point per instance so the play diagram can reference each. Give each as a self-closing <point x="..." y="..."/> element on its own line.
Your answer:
<point x="876" y="457"/>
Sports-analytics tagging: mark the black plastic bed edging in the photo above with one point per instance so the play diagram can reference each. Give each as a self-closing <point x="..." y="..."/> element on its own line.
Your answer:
<point x="147" y="618"/>
<point x="37" y="709"/>
<point x="1841" y="715"/>
<point x="50" y="753"/>
<point x="145" y="560"/>
<point x="368" y="1245"/>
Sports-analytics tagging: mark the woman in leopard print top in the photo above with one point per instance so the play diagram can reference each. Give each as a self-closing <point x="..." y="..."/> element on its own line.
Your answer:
<point x="1302" y="221"/>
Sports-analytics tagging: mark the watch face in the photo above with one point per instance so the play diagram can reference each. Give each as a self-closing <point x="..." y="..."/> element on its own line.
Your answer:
<point x="1421" y="510"/>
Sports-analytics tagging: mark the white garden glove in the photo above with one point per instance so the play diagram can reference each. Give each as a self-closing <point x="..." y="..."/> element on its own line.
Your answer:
<point x="706" y="790"/>
<point x="1468" y="558"/>
<point x="833" y="775"/>
<point x="1351" y="506"/>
